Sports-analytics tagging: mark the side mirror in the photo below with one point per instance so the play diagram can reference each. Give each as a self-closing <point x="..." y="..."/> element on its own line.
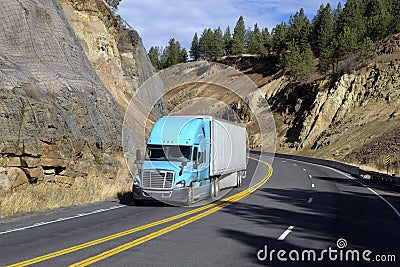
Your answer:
<point x="138" y="156"/>
<point x="201" y="157"/>
<point x="184" y="163"/>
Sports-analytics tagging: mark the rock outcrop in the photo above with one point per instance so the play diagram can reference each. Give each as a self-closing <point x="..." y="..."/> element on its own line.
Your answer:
<point x="339" y="117"/>
<point x="114" y="49"/>
<point x="59" y="122"/>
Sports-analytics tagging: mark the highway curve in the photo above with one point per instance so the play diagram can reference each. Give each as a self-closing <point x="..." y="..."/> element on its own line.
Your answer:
<point x="296" y="208"/>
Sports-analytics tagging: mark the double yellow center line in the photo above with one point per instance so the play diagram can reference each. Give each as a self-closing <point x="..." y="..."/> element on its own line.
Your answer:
<point x="210" y="208"/>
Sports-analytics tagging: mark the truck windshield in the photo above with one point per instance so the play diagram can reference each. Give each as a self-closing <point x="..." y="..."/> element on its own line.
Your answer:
<point x="172" y="153"/>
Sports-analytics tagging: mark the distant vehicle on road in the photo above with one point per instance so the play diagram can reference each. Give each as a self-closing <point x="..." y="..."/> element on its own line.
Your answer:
<point x="189" y="158"/>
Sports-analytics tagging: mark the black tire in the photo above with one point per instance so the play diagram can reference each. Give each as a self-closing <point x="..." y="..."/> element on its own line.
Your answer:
<point x="212" y="188"/>
<point x="138" y="202"/>
<point x="189" y="200"/>
<point x="216" y="188"/>
<point x="239" y="180"/>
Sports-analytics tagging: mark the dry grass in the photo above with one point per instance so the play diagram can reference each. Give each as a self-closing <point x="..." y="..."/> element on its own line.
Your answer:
<point x="47" y="196"/>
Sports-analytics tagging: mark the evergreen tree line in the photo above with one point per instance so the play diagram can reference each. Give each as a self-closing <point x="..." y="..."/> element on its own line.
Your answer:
<point x="331" y="36"/>
<point x="172" y="54"/>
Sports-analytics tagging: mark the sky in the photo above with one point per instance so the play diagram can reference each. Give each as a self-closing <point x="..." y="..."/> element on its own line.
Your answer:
<point x="157" y="21"/>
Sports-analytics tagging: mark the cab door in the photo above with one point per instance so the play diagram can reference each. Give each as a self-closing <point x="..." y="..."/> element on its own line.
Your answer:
<point x="203" y="158"/>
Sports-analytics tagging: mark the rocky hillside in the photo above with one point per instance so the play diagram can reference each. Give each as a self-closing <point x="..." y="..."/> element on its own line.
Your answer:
<point x="351" y="117"/>
<point x="60" y="108"/>
<point x="115" y="50"/>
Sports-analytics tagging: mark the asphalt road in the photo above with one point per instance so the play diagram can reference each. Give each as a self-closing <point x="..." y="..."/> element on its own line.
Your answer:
<point x="301" y="209"/>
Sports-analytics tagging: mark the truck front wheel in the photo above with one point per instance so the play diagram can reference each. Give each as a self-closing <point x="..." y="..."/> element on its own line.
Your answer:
<point x="189" y="200"/>
<point x="212" y="188"/>
<point x="138" y="202"/>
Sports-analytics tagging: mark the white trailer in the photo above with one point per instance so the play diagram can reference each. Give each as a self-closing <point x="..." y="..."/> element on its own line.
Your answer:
<point x="228" y="152"/>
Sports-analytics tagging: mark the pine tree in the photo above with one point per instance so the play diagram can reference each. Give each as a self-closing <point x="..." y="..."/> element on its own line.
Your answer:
<point x="299" y="29"/>
<point x="238" y="37"/>
<point x="172" y="54"/>
<point x="324" y="35"/>
<point x="315" y="28"/>
<point x="154" y="56"/>
<point x="289" y="58"/>
<point x="194" y="48"/>
<point x="279" y="38"/>
<point x="256" y="44"/>
<point x="228" y="41"/>
<point x="378" y="19"/>
<point x="394" y="9"/>
<point x="348" y="42"/>
<point x="183" y="56"/>
<point x="267" y="42"/>
<point x="337" y="13"/>
<point x="299" y="63"/>
<point x="352" y="17"/>
<point x="307" y="58"/>
<point x="205" y="43"/>
<point x="217" y="47"/>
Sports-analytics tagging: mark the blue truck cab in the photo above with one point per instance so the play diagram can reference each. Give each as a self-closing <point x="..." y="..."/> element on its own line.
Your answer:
<point x="189" y="158"/>
<point x="176" y="161"/>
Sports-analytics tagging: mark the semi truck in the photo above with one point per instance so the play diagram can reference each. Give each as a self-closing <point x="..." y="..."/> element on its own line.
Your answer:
<point x="189" y="158"/>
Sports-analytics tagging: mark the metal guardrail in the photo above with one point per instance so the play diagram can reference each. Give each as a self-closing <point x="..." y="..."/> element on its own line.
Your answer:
<point x="350" y="169"/>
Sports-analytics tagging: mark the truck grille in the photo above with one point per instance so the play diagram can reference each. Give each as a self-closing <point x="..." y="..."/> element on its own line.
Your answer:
<point x="158" y="179"/>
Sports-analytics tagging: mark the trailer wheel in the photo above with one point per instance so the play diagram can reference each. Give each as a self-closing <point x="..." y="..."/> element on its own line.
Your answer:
<point x="238" y="180"/>
<point x="216" y="187"/>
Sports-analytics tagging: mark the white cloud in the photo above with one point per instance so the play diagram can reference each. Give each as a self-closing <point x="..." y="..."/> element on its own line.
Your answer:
<point x="157" y="21"/>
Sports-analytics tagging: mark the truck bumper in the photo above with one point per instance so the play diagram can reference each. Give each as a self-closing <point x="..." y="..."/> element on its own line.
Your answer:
<point x="178" y="196"/>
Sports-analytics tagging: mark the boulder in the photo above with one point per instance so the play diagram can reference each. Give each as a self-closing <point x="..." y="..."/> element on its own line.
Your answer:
<point x="30" y="162"/>
<point x="17" y="176"/>
<point x="50" y="162"/>
<point x="14" y="162"/>
<point x="34" y="174"/>
<point x="5" y="183"/>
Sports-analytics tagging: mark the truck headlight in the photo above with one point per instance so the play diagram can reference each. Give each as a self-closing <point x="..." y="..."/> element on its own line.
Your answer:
<point x="180" y="184"/>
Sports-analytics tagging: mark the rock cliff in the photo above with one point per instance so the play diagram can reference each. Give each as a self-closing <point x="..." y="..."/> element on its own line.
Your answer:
<point x="114" y="49"/>
<point x="67" y="73"/>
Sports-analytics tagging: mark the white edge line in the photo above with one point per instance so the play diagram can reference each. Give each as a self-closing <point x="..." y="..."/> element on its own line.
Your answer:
<point x="59" y="220"/>
<point x="285" y="234"/>
<point x="373" y="191"/>
<point x="356" y="180"/>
